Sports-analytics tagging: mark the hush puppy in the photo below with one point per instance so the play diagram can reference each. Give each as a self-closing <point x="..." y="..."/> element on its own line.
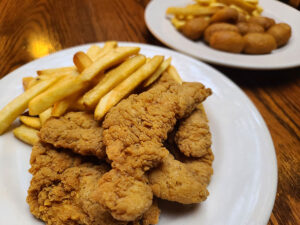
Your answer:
<point x="228" y="41"/>
<point x="246" y="28"/>
<point x="259" y="43"/>
<point x="265" y="22"/>
<point x="281" y="32"/>
<point x="194" y="28"/>
<point x="218" y="27"/>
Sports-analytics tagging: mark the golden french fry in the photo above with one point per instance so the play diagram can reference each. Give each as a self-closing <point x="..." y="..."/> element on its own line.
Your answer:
<point x="203" y="2"/>
<point x="71" y="70"/>
<point x="45" y="115"/>
<point x="126" y="86"/>
<point x="217" y="5"/>
<point x="70" y="86"/>
<point x="177" y="23"/>
<point x="195" y="10"/>
<point x="112" y="58"/>
<point x="93" y="52"/>
<point x="174" y="74"/>
<point x="78" y="105"/>
<point x="26" y="81"/>
<point x="29" y="121"/>
<point x="57" y="92"/>
<point x="17" y="106"/>
<point x="62" y="106"/>
<point x="112" y="79"/>
<point x="240" y="3"/>
<point x="253" y="2"/>
<point x="81" y="61"/>
<point x="26" y="134"/>
<point x="157" y="73"/>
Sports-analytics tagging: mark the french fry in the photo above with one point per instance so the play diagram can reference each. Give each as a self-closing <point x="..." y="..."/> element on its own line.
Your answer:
<point x="157" y="73"/>
<point x="203" y="2"/>
<point x="93" y="52"/>
<point x="126" y="86"/>
<point x="174" y="74"/>
<point x="71" y="70"/>
<point x="177" y="23"/>
<point x="35" y="81"/>
<point x="17" y="106"/>
<point x="26" y="134"/>
<point x="62" y="89"/>
<point x="196" y="10"/>
<point x="81" y="61"/>
<point x="240" y="3"/>
<point x="78" y="105"/>
<point x="108" y="46"/>
<point x="253" y="2"/>
<point x="26" y="81"/>
<point x="68" y="87"/>
<point x="112" y="58"/>
<point x="112" y="79"/>
<point x="62" y="106"/>
<point x="45" y="115"/>
<point x="29" y="121"/>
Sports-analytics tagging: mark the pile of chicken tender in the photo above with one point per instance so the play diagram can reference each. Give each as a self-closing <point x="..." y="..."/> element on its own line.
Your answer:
<point x="231" y="28"/>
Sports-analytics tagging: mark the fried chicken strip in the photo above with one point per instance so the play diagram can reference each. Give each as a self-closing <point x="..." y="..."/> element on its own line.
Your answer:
<point x="62" y="186"/>
<point x="133" y="134"/>
<point x="185" y="179"/>
<point x="77" y="131"/>
<point x="193" y="137"/>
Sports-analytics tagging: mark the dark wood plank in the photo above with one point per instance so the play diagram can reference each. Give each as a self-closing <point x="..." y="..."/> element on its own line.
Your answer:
<point x="32" y="29"/>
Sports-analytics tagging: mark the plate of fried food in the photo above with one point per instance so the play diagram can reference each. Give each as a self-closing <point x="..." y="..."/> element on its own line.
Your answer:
<point x="132" y="134"/>
<point x="236" y="33"/>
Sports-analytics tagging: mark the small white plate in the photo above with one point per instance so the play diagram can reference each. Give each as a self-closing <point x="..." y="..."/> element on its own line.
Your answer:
<point x="285" y="57"/>
<point x="243" y="187"/>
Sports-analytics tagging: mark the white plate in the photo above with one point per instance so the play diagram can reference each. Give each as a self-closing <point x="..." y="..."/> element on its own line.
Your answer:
<point x="285" y="57"/>
<point x="243" y="187"/>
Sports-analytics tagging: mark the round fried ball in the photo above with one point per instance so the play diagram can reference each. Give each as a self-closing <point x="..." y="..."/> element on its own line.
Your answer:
<point x="259" y="43"/>
<point x="246" y="28"/>
<point x="265" y="22"/>
<point x="281" y="32"/>
<point x="194" y="28"/>
<point x="218" y="27"/>
<point x="227" y="14"/>
<point x="228" y="41"/>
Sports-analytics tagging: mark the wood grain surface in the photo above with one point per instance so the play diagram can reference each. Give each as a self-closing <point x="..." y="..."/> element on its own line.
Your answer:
<point x="31" y="29"/>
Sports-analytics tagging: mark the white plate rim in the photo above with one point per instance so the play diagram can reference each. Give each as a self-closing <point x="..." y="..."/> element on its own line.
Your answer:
<point x="242" y="61"/>
<point x="272" y="193"/>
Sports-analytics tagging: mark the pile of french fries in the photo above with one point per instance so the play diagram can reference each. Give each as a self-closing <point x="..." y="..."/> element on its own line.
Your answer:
<point x="206" y="8"/>
<point x="100" y="78"/>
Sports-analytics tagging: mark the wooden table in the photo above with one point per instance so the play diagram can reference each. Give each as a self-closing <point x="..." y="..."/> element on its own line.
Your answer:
<point x="31" y="29"/>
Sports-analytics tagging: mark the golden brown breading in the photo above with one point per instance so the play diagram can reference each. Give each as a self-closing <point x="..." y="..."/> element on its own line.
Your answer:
<point x="61" y="188"/>
<point x="149" y="117"/>
<point x="174" y="181"/>
<point x="185" y="179"/>
<point x="129" y="197"/>
<point x="193" y="137"/>
<point x="77" y="131"/>
<point x="151" y="216"/>
<point x="133" y="134"/>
